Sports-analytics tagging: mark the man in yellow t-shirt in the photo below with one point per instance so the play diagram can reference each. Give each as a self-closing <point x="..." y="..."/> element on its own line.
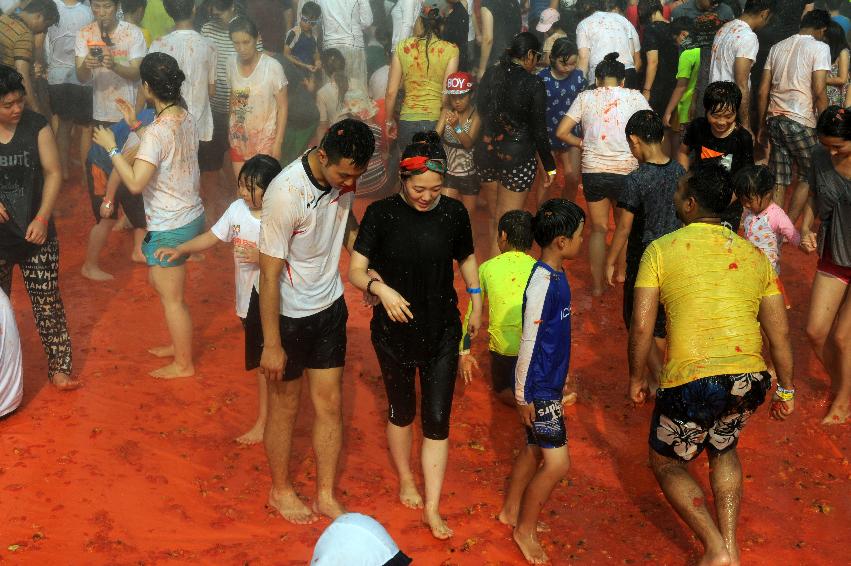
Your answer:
<point x="503" y="280"/>
<point x="718" y="291"/>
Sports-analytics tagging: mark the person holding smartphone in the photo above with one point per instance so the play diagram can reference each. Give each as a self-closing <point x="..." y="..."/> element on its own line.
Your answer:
<point x="108" y="54"/>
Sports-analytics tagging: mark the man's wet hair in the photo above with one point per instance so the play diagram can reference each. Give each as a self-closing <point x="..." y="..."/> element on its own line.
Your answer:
<point x="710" y="185"/>
<point x="349" y="139"/>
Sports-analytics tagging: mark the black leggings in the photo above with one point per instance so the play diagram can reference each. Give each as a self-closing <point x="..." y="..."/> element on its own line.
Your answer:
<point x="437" y="379"/>
<point x="41" y="279"/>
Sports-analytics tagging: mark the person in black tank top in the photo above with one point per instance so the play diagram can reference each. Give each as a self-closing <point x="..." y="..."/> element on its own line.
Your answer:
<point x="30" y="178"/>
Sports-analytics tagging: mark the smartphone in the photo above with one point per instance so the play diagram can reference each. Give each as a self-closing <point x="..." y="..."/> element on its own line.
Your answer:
<point x="97" y="53"/>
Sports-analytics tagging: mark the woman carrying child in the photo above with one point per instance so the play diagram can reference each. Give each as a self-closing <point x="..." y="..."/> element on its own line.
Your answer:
<point x="166" y="172"/>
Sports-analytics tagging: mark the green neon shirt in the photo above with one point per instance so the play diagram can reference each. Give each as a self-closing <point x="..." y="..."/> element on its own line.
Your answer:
<point x="503" y="280"/>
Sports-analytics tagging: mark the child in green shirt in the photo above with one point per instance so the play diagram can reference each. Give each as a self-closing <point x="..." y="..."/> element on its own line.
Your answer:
<point x="503" y="281"/>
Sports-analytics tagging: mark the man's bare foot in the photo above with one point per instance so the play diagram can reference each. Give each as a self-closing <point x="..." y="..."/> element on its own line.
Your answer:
<point x="597" y="291"/>
<point x="620" y="278"/>
<point x="409" y="495"/>
<point x="439" y="529"/>
<point x="510" y="520"/>
<point x="838" y="414"/>
<point x="719" y="557"/>
<point x="172" y="371"/>
<point x="64" y="382"/>
<point x="531" y="547"/>
<point x="291" y="508"/>
<point x="253" y="436"/>
<point x="328" y="506"/>
<point x="163" y="351"/>
<point x="569" y="399"/>
<point x="95" y="273"/>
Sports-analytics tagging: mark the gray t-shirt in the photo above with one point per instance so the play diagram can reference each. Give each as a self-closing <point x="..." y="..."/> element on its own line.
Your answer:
<point x="689" y="9"/>
<point x="833" y="207"/>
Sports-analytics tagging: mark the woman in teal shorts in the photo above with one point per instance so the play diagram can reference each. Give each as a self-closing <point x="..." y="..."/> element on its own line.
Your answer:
<point x="165" y="170"/>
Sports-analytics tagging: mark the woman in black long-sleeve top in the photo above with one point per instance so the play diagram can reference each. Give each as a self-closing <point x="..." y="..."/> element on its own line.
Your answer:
<point x="512" y="104"/>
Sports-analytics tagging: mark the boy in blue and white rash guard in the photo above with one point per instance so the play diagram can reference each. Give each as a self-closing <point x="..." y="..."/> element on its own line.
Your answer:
<point x="541" y="374"/>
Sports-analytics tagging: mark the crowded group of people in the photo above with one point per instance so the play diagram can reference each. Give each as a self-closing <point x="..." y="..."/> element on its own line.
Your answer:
<point x="257" y="123"/>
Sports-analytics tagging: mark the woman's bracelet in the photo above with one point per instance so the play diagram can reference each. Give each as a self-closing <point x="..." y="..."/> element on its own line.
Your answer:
<point x="107" y="203"/>
<point x="40" y="219"/>
<point x="785" y="394"/>
<point x="369" y="285"/>
<point x="474" y="290"/>
<point x="136" y="126"/>
<point x="114" y="151"/>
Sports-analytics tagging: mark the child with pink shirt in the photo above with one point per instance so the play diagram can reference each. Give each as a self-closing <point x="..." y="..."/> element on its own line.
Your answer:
<point x="766" y="225"/>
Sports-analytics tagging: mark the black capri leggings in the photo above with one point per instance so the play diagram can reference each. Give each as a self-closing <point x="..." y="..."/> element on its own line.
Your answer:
<point x="400" y="359"/>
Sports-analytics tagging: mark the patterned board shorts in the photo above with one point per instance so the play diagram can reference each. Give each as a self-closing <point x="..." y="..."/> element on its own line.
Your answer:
<point x="790" y="142"/>
<point x="708" y="413"/>
<point x="548" y="430"/>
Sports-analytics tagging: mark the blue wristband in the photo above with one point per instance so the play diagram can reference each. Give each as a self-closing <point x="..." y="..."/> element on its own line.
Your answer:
<point x="474" y="290"/>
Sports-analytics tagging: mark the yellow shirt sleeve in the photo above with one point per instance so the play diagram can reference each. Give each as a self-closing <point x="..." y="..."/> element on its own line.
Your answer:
<point x="649" y="269"/>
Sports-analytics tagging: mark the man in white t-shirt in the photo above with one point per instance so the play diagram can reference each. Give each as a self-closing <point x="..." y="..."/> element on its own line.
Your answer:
<point x="343" y="22"/>
<point x="602" y="33"/>
<point x="734" y="51"/>
<point x="108" y="54"/>
<point x="793" y="84"/>
<point x="306" y="219"/>
<point x="404" y="14"/>
<point x="70" y="101"/>
<point x="196" y="56"/>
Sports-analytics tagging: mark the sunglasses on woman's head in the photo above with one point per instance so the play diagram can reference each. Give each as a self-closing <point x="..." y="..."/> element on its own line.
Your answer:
<point x="309" y="21"/>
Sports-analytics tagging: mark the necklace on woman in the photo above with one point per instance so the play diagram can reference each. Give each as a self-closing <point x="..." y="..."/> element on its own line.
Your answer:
<point x="164" y="109"/>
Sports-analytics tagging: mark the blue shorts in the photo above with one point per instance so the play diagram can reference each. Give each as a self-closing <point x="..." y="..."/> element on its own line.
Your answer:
<point x="548" y="430"/>
<point x="156" y="239"/>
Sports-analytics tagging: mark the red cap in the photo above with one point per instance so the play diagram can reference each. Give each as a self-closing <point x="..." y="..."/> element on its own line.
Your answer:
<point x="459" y="83"/>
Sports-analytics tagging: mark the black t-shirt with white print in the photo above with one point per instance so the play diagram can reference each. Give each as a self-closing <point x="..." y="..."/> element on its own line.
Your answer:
<point x="21" y="186"/>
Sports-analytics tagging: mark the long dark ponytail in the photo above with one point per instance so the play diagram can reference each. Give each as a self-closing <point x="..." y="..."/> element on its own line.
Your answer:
<point x="520" y="47"/>
<point x="431" y="22"/>
<point x="334" y="65"/>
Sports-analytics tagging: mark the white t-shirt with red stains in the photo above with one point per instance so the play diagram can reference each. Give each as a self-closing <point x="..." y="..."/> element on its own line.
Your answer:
<point x="792" y="63"/>
<point x="196" y="56"/>
<point x="128" y="44"/>
<point x="734" y="40"/>
<point x="239" y="227"/>
<point x="304" y="224"/>
<point x="172" y="197"/>
<point x="603" y="113"/>
<point x="604" y="33"/>
<point x="253" y="107"/>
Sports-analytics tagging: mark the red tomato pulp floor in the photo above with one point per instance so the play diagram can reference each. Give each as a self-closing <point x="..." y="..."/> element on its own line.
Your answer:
<point x="132" y="470"/>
